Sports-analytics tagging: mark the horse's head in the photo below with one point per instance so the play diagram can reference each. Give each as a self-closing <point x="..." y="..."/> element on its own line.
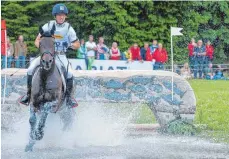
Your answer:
<point x="47" y="49"/>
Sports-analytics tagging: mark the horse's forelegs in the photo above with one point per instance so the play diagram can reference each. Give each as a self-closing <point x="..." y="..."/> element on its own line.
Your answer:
<point x="29" y="146"/>
<point x="39" y="133"/>
<point x="32" y="122"/>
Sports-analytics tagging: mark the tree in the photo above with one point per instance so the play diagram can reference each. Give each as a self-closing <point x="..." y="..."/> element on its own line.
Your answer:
<point x="129" y="21"/>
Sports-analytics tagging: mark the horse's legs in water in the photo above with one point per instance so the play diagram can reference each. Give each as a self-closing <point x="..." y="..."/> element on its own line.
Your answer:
<point x="32" y="122"/>
<point x="39" y="133"/>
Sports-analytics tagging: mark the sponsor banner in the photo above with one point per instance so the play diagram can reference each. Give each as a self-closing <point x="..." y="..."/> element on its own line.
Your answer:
<point x="79" y="64"/>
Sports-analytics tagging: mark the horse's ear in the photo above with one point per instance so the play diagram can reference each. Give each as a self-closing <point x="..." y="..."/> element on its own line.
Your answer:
<point x="41" y="31"/>
<point x="53" y="29"/>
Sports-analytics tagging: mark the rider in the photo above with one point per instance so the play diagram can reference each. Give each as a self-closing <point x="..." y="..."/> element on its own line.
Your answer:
<point x="65" y="40"/>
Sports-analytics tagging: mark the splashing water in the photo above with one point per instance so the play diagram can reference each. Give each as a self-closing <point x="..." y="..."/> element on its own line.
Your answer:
<point x="95" y="124"/>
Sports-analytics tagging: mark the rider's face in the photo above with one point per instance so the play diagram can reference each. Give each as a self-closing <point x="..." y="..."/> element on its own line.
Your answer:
<point x="60" y="18"/>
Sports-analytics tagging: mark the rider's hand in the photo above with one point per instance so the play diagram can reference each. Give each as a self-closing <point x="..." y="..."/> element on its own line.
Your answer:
<point x="65" y="44"/>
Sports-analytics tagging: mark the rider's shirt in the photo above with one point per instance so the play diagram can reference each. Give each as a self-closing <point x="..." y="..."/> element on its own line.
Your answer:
<point x="64" y="35"/>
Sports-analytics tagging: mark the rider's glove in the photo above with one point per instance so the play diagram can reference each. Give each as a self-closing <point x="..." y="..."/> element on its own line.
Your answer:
<point x="65" y="44"/>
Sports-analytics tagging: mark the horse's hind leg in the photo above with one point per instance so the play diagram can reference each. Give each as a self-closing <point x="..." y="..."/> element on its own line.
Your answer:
<point x="32" y="122"/>
<point x="39" y="133"/>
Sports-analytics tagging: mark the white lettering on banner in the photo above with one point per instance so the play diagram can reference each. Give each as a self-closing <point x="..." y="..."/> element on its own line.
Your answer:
<point x="79" y="64"/>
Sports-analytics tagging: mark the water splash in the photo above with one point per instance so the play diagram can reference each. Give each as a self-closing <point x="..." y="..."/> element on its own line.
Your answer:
<point x="95" y="124"/>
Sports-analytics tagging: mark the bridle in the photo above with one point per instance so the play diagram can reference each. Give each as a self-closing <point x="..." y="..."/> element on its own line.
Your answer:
<point x="47" y="52"/>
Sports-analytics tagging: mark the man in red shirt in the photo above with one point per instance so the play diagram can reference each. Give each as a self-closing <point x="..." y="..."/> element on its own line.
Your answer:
<point x="191" y="47"/>
<point x="209" y="51"/>
<point x="135" y="53"/>
<point x="159" y="58"/>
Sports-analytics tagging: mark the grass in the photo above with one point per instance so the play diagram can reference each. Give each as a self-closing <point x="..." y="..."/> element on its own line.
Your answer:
<point x="212" y="107"/>
<point x="145" y="116"/>
<point x="212" y="111"/>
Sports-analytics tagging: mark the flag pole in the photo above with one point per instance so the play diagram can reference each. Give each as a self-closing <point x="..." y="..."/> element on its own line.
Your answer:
<point x="172" y="58"/>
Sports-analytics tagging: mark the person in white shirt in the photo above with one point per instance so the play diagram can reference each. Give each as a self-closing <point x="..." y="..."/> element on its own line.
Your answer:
<point x="91" y="49"/>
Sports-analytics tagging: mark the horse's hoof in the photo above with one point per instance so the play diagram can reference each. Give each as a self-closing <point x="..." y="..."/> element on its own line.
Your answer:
<point x="29" y="148"/>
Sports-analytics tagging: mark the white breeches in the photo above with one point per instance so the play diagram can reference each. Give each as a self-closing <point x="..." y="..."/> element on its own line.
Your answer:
<point x="61" y="61"/>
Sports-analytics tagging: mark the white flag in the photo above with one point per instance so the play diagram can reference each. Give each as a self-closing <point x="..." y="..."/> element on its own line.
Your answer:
<point x="176" y="31"/>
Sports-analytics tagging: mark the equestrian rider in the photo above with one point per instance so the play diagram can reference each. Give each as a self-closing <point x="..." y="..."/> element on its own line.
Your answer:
<point x="65" y="39"/>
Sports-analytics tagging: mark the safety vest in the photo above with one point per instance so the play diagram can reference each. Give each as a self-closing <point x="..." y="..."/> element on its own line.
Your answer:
<point x="61" y="35"/>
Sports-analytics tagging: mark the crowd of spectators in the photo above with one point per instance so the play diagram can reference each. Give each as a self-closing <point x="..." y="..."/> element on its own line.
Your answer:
<point x="199" y="65"/>
<point x="200" y="62"/>
<point x="200" y="56"/>
<point x="90" y="51"/>
<point x="15" y="54"/>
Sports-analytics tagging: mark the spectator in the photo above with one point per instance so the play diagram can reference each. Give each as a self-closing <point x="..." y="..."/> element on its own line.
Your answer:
<point x="90" y="53"/>
<point x="209" y="52"/>
<point x="208" y="72"/>
<point x="126" y="55"/>
<point x="185" y="71"/>
<point x="115" y="52"/>
<point x="153" y="47"/>
<point x="176" y="69"/>
<point x="135" y="53"/>
<point x="20" y="52"/>
<point x="10" y="52"/>
<point x="191" y="47"/>
<point x="159" y="57"/>
<point x="218" y="73"/>
<point x="81" y="53"/>
<point x="199" y="58"/>
<point x="102" y="50"/>
<point x="145" y="51"/>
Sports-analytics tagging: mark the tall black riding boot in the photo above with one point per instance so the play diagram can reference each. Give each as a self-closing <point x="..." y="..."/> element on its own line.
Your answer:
<point x="70" y="101"/>
<point x="25" y="99"/>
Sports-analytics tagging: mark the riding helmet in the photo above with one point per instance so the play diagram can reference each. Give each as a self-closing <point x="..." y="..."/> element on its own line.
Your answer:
<point x="59" y="8"/>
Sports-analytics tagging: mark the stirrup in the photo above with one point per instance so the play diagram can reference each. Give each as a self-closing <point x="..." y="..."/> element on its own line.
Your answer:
<point x="72" y="103"/>
<point x="24" y="100"/>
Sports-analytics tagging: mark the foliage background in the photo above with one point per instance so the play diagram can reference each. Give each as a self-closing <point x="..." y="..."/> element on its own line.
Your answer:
<point x="128" y="22"/>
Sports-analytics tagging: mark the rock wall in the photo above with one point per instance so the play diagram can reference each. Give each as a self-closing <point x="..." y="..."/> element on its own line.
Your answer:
<point x="151" y="87"/>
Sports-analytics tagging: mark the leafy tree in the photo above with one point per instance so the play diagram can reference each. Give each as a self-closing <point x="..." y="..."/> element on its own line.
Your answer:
<point x="129" y="21"/>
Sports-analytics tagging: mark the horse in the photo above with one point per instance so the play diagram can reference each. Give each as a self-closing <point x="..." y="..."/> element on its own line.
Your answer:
<point x="47" y="92"/>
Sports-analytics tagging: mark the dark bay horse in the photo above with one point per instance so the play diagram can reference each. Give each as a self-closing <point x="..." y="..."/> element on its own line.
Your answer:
<point x="47" y="93"/>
